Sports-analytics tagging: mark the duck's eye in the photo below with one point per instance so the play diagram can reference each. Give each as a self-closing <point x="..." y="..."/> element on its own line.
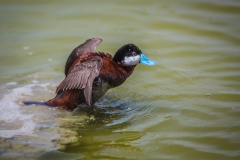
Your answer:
<point x="134" y="53"/>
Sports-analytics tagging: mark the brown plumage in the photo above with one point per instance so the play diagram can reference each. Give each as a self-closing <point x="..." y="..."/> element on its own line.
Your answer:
<point x="81" y="76"/>
<point x="90" y="74"/>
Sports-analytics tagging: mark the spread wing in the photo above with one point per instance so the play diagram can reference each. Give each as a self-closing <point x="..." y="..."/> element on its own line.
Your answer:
<point x="88" y="46"/>
<point x="81" y="77"/>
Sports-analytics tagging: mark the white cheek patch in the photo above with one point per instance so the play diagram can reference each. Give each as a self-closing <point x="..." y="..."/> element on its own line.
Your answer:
<point x="133" y="60"/>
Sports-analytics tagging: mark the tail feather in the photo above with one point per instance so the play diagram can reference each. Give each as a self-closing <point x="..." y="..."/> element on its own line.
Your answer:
<point x="33" y="102"/>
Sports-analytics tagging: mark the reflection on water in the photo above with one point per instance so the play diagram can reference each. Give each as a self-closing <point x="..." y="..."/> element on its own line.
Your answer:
<point x="185" y="107"/>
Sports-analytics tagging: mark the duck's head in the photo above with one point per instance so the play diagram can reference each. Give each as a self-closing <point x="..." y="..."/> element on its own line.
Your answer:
<point x="131" y="55"/>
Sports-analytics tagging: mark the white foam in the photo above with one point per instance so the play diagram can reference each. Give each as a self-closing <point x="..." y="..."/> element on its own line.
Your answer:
<point x="11" y="115"/>
<point x="11" y="84"/>
<point x="26" y="129"/>
<point x="25" y="47"/>
<point x="35" y="81"/>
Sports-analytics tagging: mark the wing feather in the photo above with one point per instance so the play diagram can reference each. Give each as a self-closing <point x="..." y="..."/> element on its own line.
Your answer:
<point x="81" y="77"/>
<point x="88" y="89"/>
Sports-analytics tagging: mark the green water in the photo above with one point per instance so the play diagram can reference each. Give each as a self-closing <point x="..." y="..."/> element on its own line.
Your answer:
<point x="185" y="107"/>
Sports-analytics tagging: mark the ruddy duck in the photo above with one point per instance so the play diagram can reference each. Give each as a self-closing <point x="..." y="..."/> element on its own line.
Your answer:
<point x="90" y="74"/>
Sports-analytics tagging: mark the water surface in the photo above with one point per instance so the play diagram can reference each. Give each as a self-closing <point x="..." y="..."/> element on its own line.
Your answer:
<point x="185" y="107"/>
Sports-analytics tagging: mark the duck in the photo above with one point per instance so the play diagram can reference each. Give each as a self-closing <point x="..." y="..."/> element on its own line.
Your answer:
<point x="90" y="74"/>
